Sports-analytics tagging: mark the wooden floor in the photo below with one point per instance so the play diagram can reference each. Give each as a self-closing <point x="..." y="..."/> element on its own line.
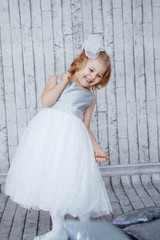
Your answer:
<point x="125" y="193"/>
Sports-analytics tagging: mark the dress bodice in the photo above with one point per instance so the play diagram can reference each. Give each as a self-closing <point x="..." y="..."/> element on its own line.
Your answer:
<point x="76" y="96"/>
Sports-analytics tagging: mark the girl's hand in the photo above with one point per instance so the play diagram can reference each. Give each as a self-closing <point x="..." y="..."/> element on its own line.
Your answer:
<point x="100" y="155"/>
<point x="66" y="77"/>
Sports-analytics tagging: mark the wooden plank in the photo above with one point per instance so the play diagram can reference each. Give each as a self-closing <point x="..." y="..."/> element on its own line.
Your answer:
<point x="8" y="79"/>
<point x="127" y="14"/>
<point x="157" y="73"/>
<point x="155" y="180"/>
<point x="21" y="120"/>
<point x="140" y="83"/>
<point x="18" y="68"/>
<point x="5" y="35"/>
<point x="46" y="5"/>
<point x="120" y="78"/>
<point x="3" y="121"/>
<point x="3" y="202"/>
<point x="3" y="177"/>
<point x="121" y="195"/>
<point x="147" y="11"/>
<point x="142" y="132"/>
<point x="123" y="151"/>
<point x="77" y="31"/>
<point x="116" y="4"/>
<point x="29" y="77"/>
<point x="7" y="219"/>
<point x="112" y="125"/>
<point x="137" y="11"/>
<point x="108" y="26"/>
<point x="2" y="187"/>
<point x="132" y="133"/>
<point x="152" y="191"/>
<point x="103" y="133"/>
<point x="110" y="88"/>
<point x="35" y="14"/>
<point x="115" y="203"/>
<point x="68" y="49"/>
<point x="44" y="222"/>
<point x="156" y="31"/>
<point x="130" y="83"/>
<point x="97" y="21"/>
<point x="8" y="76"/>
<point x="150" y="81"/>
<point x="102" y="100"/>
<point x="19" y="80"/>
<point x="48" y="42"/>
<point x="18" y="224"/>
<point x="158" y="114"/>
<point x="122" y="126"/>
<point x="130" y="169"/>
<point x="14" y="14"/>
<point x="12" y="150"/>
<point x="38" y="51"/>
<point x="156" y="40"/>
<point x="11" y="119"/>
<point x="131" y="193"/>
<point x="120" y="85"/>
<point x="145" y="198"/>
<point x="152" y="131"/>
<point x="30" y="225"/>
<point x="121" y="112"/>
<point x="129" y="63"/>
<point x="156" y="3"/>
<point x="118" y="35"/>
<point x="67" y="17"/>
<point x="58" y="37"/>
<point x="87" y="18"/>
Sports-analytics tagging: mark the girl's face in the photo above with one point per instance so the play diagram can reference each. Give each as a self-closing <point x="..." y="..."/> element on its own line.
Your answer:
<point x="92" y="73"/>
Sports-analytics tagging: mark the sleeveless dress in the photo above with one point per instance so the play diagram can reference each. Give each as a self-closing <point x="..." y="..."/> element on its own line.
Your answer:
<point x="54" y="167"/>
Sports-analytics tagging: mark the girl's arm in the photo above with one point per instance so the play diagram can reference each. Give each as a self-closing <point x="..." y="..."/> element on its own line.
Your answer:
<point x="53" y="90"/>
<point x="100" y="154"/>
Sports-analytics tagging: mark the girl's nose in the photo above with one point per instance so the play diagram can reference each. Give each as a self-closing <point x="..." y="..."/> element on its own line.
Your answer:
<point x="93" y="75"/>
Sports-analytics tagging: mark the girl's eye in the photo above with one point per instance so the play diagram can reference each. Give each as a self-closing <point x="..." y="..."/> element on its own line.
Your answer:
<point x="91" y="69"/>
<point x="99" y="76"/>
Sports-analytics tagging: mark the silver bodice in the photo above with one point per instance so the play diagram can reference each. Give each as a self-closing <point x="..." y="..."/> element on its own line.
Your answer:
<point x="76" y="96"/>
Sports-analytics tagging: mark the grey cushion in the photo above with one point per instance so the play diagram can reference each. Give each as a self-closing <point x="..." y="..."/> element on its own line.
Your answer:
<point x="137" y="216"/>
<point x="145" y="231"/>
<point x="93" y="230"/>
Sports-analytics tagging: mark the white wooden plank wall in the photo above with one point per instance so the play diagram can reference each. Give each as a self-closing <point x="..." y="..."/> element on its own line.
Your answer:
<point x="39" y="38"/>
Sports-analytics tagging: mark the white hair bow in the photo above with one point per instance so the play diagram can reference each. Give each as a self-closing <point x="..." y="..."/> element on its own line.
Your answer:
<point x="92" y="46"/>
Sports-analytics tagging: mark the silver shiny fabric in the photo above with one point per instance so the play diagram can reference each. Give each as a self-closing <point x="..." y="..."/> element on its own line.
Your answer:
<point x="75" y="96"/>
<point x="68" y="108"/>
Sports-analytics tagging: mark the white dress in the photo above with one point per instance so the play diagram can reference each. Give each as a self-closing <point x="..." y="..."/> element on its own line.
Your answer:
<point x="54" y="167"/>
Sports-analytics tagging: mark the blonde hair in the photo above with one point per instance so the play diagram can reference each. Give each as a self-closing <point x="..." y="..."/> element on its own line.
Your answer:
<point x="81" y="61"/>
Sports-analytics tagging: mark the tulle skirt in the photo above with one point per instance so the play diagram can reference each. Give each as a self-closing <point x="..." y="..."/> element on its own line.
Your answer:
<point x="54" y="167"/>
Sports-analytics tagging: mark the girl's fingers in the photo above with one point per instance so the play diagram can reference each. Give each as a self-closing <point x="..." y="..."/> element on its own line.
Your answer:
<point x="101" y="158"/>
<point x="104" y="157"/>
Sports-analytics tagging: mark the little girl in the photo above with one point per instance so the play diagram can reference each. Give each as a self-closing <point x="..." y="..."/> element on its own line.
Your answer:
<point x="54" y="168"/>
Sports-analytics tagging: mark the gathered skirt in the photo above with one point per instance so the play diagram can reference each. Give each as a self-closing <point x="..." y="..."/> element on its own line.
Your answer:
<point x="54" y="167"/>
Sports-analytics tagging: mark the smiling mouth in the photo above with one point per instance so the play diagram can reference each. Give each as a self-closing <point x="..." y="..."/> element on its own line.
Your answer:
<point x="87" y="80"/>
